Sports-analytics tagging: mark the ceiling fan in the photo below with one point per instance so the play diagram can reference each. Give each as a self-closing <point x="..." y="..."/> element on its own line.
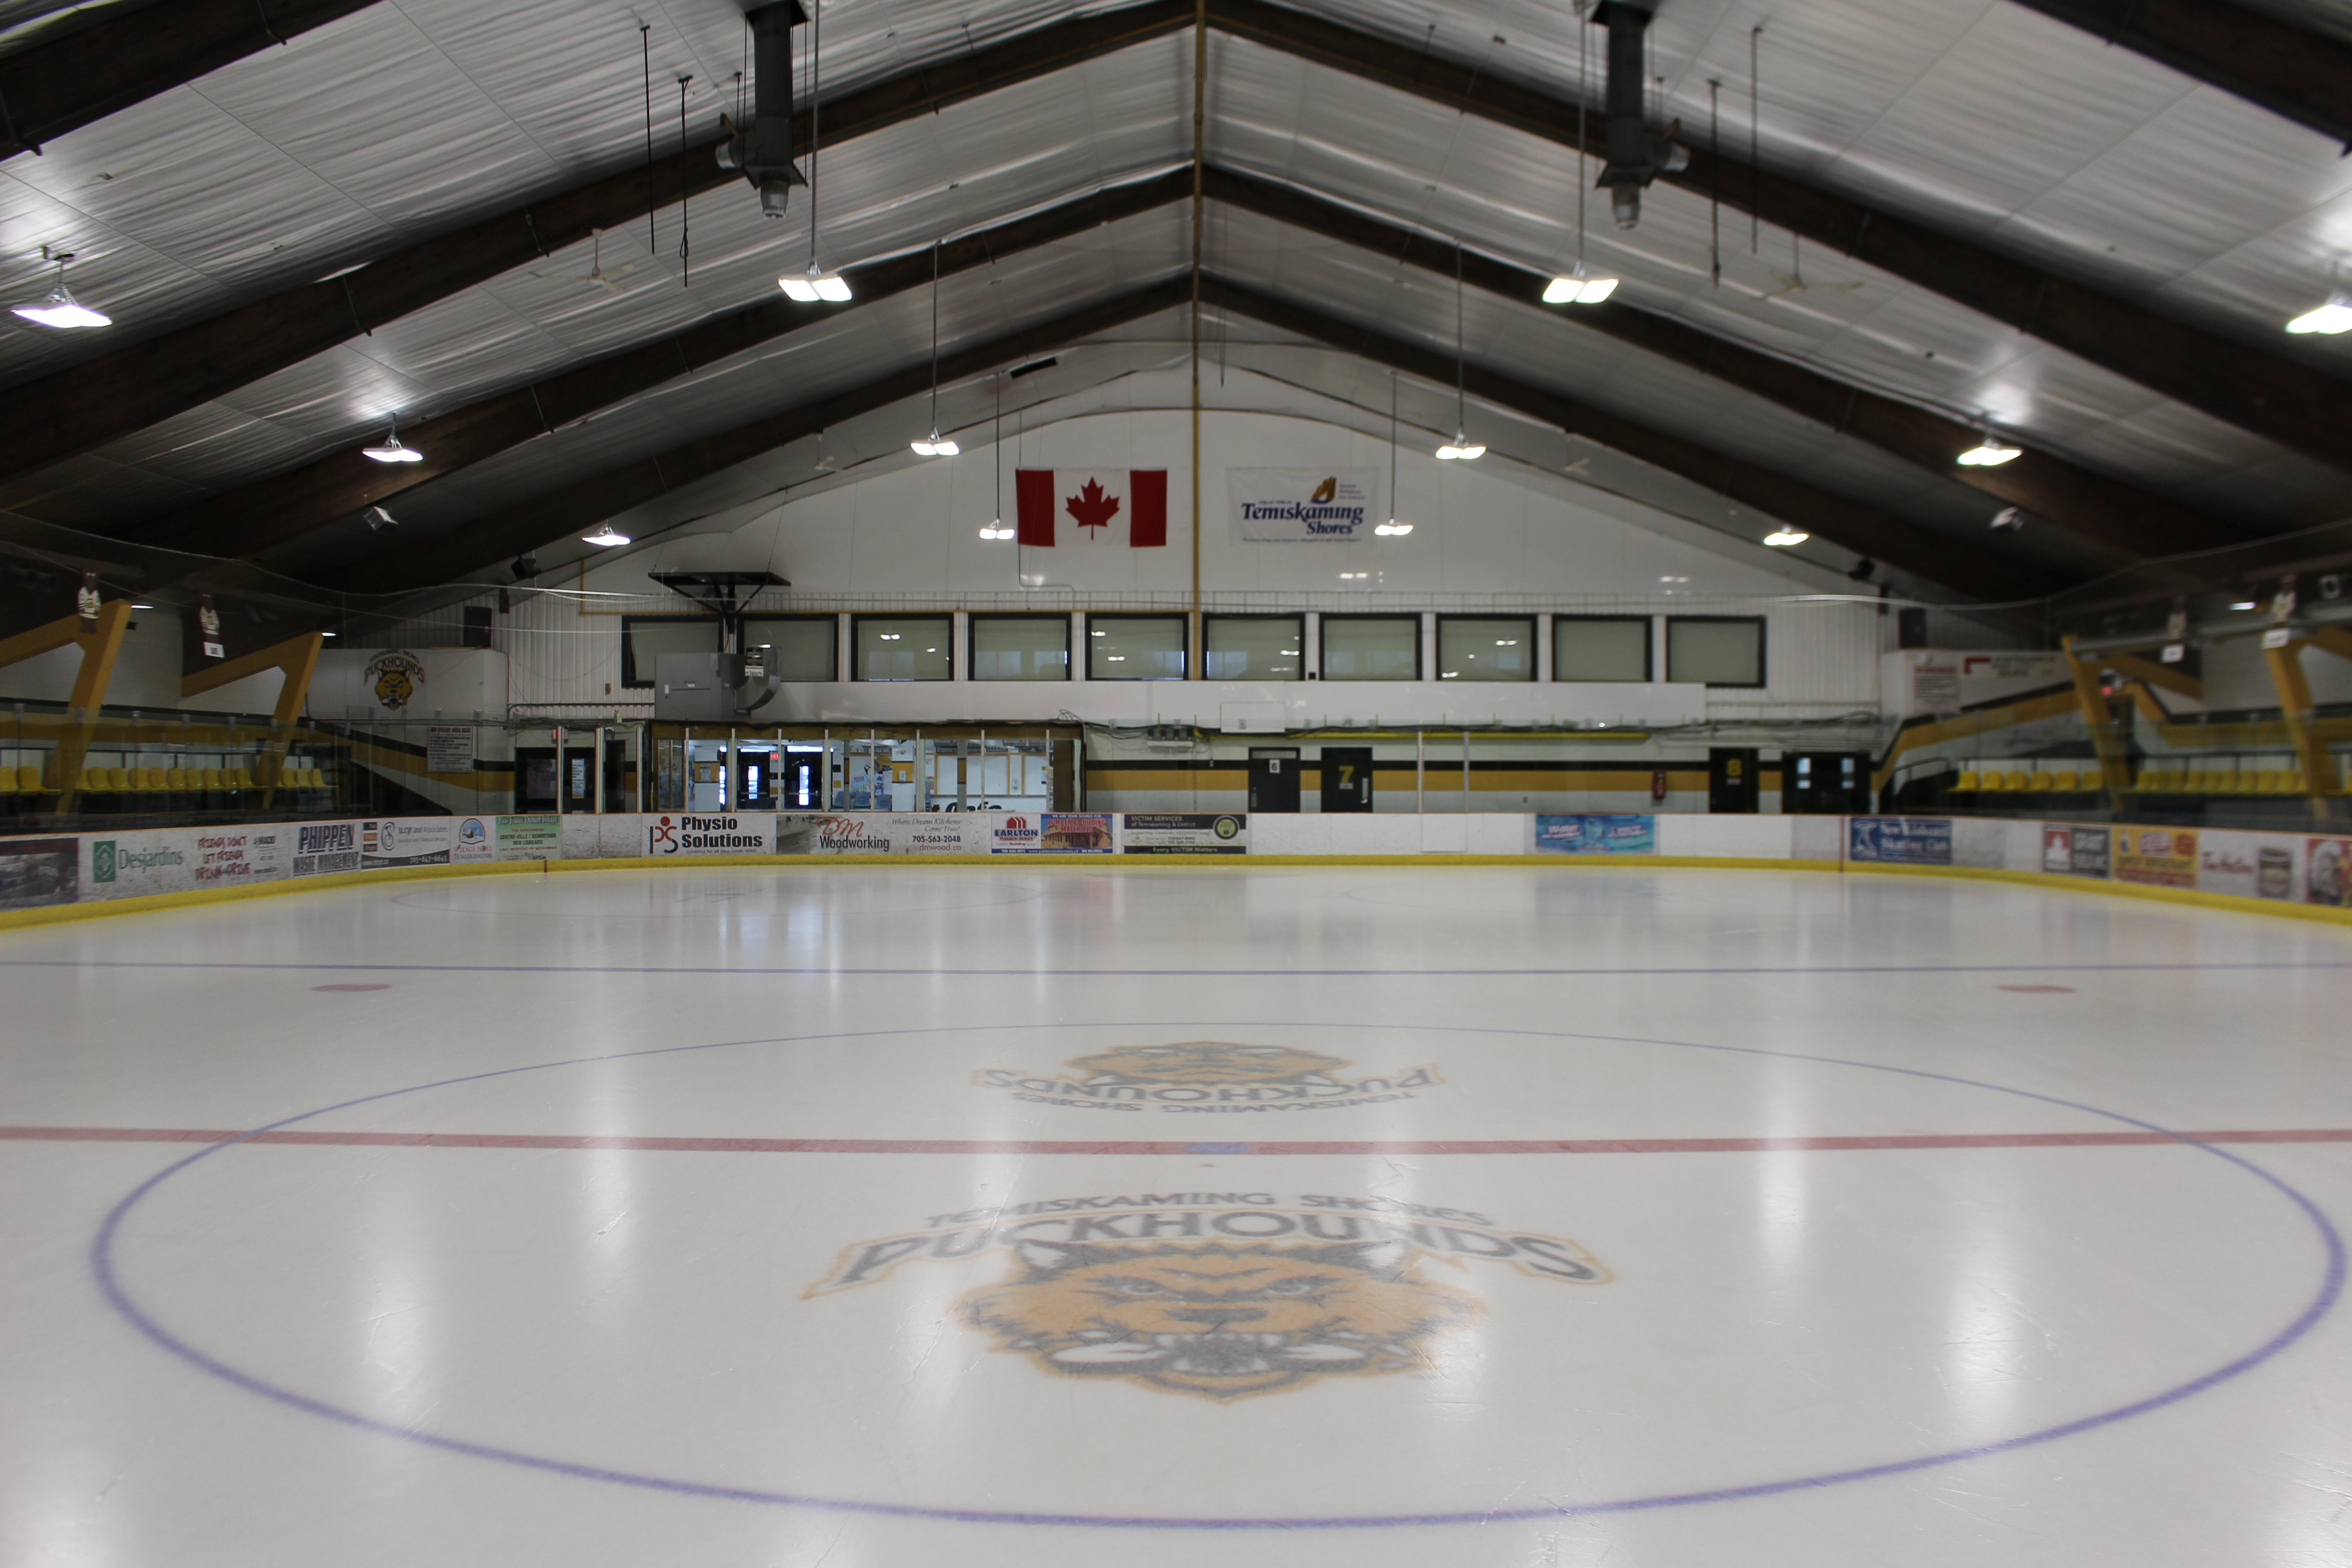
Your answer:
<point x="608" y="281"/>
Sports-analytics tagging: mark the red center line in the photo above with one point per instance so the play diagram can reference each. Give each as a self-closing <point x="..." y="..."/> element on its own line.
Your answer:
<point x="988" y="1146"/>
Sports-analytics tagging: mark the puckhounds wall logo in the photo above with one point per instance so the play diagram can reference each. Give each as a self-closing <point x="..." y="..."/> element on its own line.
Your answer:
<point x="394" y="677"/>
<point x="1220" y="1295"/>
<point x="1207" y="1076"/>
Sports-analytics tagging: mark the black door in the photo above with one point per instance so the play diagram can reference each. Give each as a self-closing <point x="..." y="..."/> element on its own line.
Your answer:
<point x="1346" y="778"/>
<point x="1731" y="779"/>
<point x="1273" y="778"/>
<point x="1831" y="782"/>
<point x="755" y="782"/>
<point x="579" y="773"/>
<point x="535" y="780"/>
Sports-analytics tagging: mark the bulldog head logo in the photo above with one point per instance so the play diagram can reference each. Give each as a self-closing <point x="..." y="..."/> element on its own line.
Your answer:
<point x="1218" y="1321"/>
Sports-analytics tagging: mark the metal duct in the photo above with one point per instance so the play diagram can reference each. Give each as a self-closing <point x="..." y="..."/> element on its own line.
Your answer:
<point x="1635" y="157"/>
<point x="764" y="152"/>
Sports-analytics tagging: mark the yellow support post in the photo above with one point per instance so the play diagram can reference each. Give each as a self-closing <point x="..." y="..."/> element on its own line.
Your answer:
<point x="100" y="649"/>
<point x="298" y="658"/>
<point x="2115" y="767"/>
<point x="2294" y="707"/>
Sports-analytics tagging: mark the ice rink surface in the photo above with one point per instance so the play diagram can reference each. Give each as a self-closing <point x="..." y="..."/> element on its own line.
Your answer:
<point x="1053" y="1216"/>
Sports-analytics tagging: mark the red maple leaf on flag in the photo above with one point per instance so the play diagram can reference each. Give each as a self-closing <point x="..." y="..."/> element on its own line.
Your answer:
<point x="1091" y="507"/>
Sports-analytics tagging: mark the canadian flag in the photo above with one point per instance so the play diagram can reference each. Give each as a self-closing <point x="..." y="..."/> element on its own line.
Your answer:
<point x="1102" y="506"/>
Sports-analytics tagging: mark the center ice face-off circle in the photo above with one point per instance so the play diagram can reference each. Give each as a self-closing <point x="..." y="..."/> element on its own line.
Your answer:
<point x="1189" y="1355"/>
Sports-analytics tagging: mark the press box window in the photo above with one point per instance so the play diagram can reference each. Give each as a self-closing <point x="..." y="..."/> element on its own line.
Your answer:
<point x="1476" y="647"/>
<point x="1253" y="647"/>
<point x="645" y="638"/>
<point x="904" y="648"/>
<point x="1020" y="647"/>
<point x="1601" y="647"/>
<point x="804" y="646"/>
<point x="1371" y="647"/>
<point x="1135" y="647"/>
<point x="1717" y="650"/>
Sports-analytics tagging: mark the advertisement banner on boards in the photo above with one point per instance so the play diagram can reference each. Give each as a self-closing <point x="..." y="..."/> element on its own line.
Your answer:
<point x="1596" y="833"/>
<point x="1304" y="506"/>
<point x="2069" y="851"/>
<point x="535" y="837"/>
<point x="725" y="833"/>
<point x="882" y="833"/>
<point x="2158" y="856"/>
<point x="2328" y="872"/>
<point x="2248" y="865"/>
<point x="407" y="841"/>
<point x="471" y="841"/>
<point x="1900" y="840"/>
<point x="323" y="849"/>
<point x="180" y="859"/>
<point x="1183" y="833"/>
<point x="37" y="872"/>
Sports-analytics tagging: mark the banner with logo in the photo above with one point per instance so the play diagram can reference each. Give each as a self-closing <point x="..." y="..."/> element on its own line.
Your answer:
<point x="407" y="841"/>
<point x="324" y="848"/>
<point x="1183" y="833"/>
<point x="472" y="841"/>
<point x="1596" y="833"/>
<point x="536" y="837"/>
<point x="36" y="872"/>
<point x="2160" y="856"/>
<point x="883" y="833"/>
<point x="726" y="833"/>
<point x="2328" y="872"/>
<point x="2076" y="851"/>
<point x="1304" y="506"/>
<point x="1900" y="840"/>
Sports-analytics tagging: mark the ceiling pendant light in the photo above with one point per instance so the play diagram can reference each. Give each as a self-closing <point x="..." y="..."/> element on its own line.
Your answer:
<point x="1460" y="448"/>
<point x="1781" y="537"/>
<point x="816" y="284"/>
<point x="994" y="527"/>
<point x="604" y="538"/>
<point x="59" y="308"/>
<point x="1990" y="452"/>
<point x="1581" y="286"/>
<point x="2334" y="317"/>
<point x="1392" y="528"/>
<point x="393" y="449"/>
<point x="935" y="446"/>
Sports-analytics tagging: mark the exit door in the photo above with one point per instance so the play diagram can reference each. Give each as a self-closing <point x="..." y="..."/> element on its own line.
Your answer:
<point x="1731" y="783"/>
<point x="1346" y="778"/>
<point x="1273" y="778"/>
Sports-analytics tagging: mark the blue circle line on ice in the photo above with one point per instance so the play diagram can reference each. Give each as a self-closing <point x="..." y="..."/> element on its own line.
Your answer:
<point x="109" y="1283"/>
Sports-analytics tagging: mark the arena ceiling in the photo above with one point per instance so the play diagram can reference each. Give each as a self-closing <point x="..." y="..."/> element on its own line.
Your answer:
<point x="1901" y="220"/>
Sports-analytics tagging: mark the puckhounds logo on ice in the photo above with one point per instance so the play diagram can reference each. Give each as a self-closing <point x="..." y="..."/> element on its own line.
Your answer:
<point x="1213" y="1076"/>
<point x="1219" y="1295"/>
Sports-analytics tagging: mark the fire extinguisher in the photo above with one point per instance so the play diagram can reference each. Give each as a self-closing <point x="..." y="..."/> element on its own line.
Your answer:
<point x="1658" y="784"/>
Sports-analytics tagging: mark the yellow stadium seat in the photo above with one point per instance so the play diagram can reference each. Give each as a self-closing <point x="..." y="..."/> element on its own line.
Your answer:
<point x="118" y="778"/>
<point x="2017" y="779"/>
<point x="2268" y="781"/>
<point x="240" y="779"/>
<point x="152" y="780"/>
<point x="1991" y="781"/>
<point x="28" y="779"/>
<point x="1965" y="782"/>
<point x="2290" y="781"/>
<point x="2064" y="780"/>
<point x="175" y="779"/>
<point x="212" y="778"/>
<point x="8" y="780"/>
<point x="2042" y="781"/>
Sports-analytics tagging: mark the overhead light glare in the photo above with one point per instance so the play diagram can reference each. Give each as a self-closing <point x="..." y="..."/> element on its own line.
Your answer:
<point x="1781" y="537"/>
<point x="1392" y="528"/>
<point x="995" y="529"/>
<point x="814" y="285"/>
<point x="606" y="537"/>
<point x="59" y="308"/>
<point x="1990" y="453"/>
<point x="2334" y="317"/>
<point x="1581" y="286"/>
<point x="1461" y="449"/>
<point x="393" y="449"/>
<point x="934" y="446"/>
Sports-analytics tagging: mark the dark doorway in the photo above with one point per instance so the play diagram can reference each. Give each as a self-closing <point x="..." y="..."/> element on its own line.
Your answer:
<point x="534" y="778"/>
<point x="1824" y="782"/>
<point x="755" y="782"/>
<point x="1346" y="778"/>
<point x="1731" y="783"/>
<point x="1273" y="778"/>
<point x="579" y="779"/>
<point x="804" y="785"/>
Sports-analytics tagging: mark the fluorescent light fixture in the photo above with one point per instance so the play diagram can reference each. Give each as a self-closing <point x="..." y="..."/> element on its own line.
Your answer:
<point x="814" y="285"/>
<point x="1581" y="286"/>
<point x="1990" y="453"/>
<point x="1460" y="449"/>
<point x="2246" y="604"/>
<point x="326" y="634"/>
<point x="934" y="448"/>
<point x="604" y="537"/>
<point x="1781" y="537"/>
<point x="393" y="449"/>
<point x="142" y="606"/>
<point x="2335" y="316"/>
<point x="1392" y="528"/>
<point x="60" y="309"/>
<point x="995" y="529"/>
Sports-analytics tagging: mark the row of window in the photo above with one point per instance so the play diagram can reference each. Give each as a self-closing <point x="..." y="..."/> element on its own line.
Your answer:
<point x="1717" y="650"/>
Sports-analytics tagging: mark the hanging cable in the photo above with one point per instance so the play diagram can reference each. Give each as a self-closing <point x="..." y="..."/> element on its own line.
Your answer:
<point x="1461" y="393"/>
<point x="1755" y="121"/>
<point x="1715" y="178"/>
<point x="685" y="216"/>
<point x="653" y="216"/>
<point x="1583" y="92"/>
<point x="817" y="39"/>
<point x="935" y="338"/>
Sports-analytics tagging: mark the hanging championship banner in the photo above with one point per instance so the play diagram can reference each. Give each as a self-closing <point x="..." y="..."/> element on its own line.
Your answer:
<point x="1304" y="506"/>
